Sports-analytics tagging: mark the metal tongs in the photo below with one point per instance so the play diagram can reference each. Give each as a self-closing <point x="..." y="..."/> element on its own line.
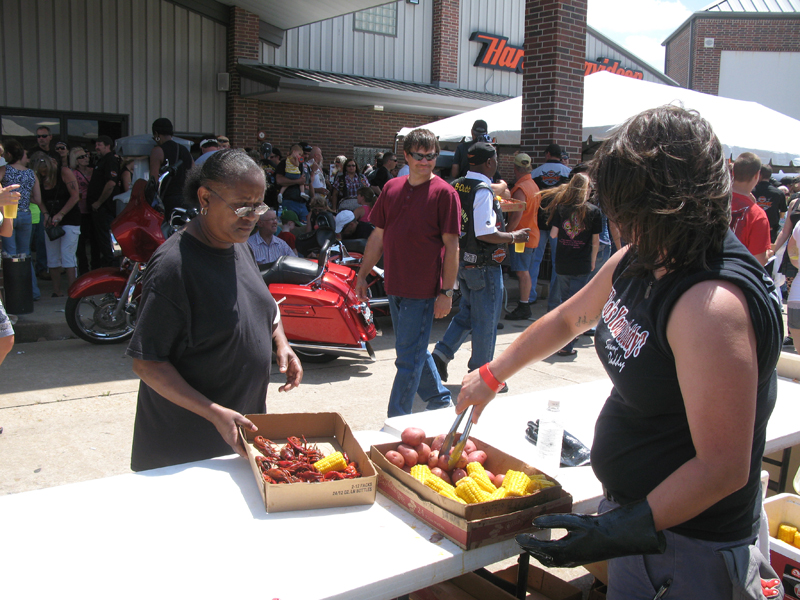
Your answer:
<point x="453" y="453"/>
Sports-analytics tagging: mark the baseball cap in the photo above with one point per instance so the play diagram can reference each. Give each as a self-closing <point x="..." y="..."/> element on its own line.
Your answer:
<point x="480" y="126"/>
<point x="306" y="146"/>
<point x="522" y="160"/>
<point x="480" y="152"/>
<point x="208" y="143"/>
<point x="343" y="218"/>
<point x="290" y="215"/>
<point x="554" y="150"/>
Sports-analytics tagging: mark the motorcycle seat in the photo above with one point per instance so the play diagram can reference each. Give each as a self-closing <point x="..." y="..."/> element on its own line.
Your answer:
<point x="290" y="270"/>
<point x="355" y="245"/>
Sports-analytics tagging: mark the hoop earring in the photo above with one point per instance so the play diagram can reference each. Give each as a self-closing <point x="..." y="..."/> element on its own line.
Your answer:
<point x="204" y="211"/>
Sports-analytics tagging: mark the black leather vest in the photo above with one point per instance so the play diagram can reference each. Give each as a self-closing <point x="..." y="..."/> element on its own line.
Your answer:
<point x="473" y="251"/>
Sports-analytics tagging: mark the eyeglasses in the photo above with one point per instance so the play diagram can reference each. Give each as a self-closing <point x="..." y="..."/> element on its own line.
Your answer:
<point x="351" y="165"/>
<point x="419" y="156"/>
<point x="81" y="157"/>
<point x="242" y="211"/>
<point x="43" y="136"/>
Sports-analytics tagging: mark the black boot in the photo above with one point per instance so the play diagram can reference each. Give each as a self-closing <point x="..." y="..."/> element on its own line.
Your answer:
<point x="521" y="313"/>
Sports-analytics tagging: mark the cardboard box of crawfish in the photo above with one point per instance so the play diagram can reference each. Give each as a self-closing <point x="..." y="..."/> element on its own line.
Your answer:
<point x="304" y="461"/>
<point x="511" y="492"/>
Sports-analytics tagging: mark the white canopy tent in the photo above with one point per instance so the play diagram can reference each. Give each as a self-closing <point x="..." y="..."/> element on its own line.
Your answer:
<point x="610" y="99"/>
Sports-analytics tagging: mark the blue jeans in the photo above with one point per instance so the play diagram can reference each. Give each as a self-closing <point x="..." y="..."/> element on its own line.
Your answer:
<point x="37" y="237"/>
<point x="19" y="242"/>
<point x="412" y="320"/>
<point x="602" y="256"/>
<point x="298" y="207"/>
<point x="478" y="313"/>
<point x="553" y="298"/>
<point x="568" y="286"/>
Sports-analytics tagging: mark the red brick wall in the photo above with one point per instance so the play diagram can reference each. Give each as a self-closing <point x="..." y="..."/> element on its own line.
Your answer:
<point x="737" y="34"/>
<point x="677" y="56"/>
<point x="552" y="80"/>
<point x="243" y="42"/>
<point x="445" y="41"/>
<point x="335" y="130"/>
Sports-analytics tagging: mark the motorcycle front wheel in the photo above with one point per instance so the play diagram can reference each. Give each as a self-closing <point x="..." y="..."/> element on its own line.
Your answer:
<point x="91" y="318"/>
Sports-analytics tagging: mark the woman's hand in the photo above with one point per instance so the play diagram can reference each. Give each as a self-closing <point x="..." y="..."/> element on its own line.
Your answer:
<point x="287" y="360"/>
<point x="473" y="392"/>
<point x="227" y="422"/>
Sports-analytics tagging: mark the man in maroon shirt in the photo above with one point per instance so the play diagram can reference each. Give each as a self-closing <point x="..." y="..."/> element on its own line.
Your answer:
<point x="417" y="222"/>
<point x="748" y="220"/>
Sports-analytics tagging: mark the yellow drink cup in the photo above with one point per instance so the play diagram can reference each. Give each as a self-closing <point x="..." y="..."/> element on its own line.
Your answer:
<point x="10" y="211"/>
<point x="519" y="247"/>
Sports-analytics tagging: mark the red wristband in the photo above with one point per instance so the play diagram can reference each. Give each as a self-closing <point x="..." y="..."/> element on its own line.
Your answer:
<point x="489" y="379"/>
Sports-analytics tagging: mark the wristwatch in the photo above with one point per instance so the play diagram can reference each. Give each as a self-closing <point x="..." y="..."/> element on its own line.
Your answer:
<point x="448" y="293"/>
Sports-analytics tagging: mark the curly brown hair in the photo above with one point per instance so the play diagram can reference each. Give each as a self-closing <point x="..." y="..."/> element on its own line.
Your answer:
<point x="663" y="179"/>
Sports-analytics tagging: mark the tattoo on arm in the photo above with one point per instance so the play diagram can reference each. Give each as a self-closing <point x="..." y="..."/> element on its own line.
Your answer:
<point x="584" y="320"/>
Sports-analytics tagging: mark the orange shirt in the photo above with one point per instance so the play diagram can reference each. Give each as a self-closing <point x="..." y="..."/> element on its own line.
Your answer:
<point x="529" y="215"/>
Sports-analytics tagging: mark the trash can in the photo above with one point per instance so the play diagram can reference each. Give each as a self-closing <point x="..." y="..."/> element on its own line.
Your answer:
<point x="18" y="285"/>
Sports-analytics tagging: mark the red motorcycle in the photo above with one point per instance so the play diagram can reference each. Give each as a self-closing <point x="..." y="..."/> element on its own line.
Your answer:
<point x="321" y="315"/>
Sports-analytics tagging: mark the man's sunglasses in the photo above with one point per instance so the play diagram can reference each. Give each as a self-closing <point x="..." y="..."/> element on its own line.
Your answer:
<point x="43" y="136"/>
<point x="419" y="156"/>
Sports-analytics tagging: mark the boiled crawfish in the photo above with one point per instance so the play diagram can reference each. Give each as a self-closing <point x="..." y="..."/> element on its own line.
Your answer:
<point x="294" y="462"/>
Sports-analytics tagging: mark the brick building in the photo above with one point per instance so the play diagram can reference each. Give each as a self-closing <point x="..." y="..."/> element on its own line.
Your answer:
<point x="742" y="49"/>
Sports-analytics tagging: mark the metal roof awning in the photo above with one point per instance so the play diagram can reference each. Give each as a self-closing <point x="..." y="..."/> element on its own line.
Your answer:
<point x="282" y="84"/>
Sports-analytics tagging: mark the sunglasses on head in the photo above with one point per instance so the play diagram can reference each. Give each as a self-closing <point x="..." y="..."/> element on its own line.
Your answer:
<point x="420" y="156"/>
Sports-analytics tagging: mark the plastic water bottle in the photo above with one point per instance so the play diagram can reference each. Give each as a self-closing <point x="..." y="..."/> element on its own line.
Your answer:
<point x="551" y="435"/>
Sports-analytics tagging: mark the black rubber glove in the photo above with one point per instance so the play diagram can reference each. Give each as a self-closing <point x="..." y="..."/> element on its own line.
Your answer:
<point x="573" y="452"/>
<point x="624" y="531"/>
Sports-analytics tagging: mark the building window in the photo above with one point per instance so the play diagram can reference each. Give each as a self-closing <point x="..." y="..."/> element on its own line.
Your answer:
<point x="380" y="19"/>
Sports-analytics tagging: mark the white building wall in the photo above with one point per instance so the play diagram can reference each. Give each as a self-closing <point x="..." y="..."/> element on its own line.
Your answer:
<point x="498" y="17"/>
<point x="763" y="77"/>
<point x="122" y="57"/>
<point x="333" y="46"/>
<point x="596" y="49"/>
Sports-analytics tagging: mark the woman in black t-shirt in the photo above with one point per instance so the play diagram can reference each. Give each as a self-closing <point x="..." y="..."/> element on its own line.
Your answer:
<point x="575" y="225"/>
<point x="689" y="329"/>
<point x="169" y="151"/>
<point x="206" y="325"/>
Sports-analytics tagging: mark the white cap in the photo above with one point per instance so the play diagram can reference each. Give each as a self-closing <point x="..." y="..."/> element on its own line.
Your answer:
<point x="343" y="218"/>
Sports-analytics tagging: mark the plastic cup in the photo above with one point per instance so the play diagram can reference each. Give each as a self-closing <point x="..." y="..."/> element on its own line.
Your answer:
<point x="519" y="247"/>
<point x="10" y="211"/>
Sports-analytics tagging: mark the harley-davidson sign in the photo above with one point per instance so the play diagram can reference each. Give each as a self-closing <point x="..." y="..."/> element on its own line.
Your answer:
<point x="497" y="53"/>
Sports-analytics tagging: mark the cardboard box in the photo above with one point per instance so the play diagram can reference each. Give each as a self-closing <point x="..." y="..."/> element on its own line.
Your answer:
<point x="472" y="525"/>
<point x="541" y="583"/>
<point x="328" y="430"/>
<point x="466" y="587"/>
<point x="784" y="558"/>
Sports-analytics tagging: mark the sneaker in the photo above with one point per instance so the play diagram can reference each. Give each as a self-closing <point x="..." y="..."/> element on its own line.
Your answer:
<point x="280" y="198"/>
<point x="788" y="341"/>
<point x="438" y="405"/>
<point x="521" y="313"/>
<point x="441" y="367"/>
<point x="504" y="389"/>
<point x="304" y="196"/>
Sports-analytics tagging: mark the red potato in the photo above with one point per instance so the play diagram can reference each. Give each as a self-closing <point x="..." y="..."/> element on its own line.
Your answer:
<point x="394" y="457"/>
<point x="463" y="461"/>
<point x="409" y="454"/>
<point x="470" y="446"/>
<point x="498" y="479"/>
<point x="433" y="458"/>
<point x="477" y="456"/>
<point x="443" y="474"/>
<point x="407" y="469"/>
<point x="412" y="436"/>
<point x="458" y="474"/>
<point x="438" y="441"/>
<point x="442" y="464"/>
<point x="490" y="475"/>
<point x="423" y="452"/>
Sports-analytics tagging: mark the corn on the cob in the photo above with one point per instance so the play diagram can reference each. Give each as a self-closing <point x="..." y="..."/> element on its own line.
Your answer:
<point x="516" y="483"/>
<point x="539" y="482"/>
<point x="332" y="462"/>
<point x="786" y="533"/>
<point x="797" y="539"/>
<point x="468" y="490"/>
<point x="421" y="472"/>
<point x="439" y="485"/>
<point x="478" y="473"/>
<point x="499" y="493"/>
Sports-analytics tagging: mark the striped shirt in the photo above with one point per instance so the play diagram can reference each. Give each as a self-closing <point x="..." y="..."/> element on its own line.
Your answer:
<point x="268" y="252"/>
